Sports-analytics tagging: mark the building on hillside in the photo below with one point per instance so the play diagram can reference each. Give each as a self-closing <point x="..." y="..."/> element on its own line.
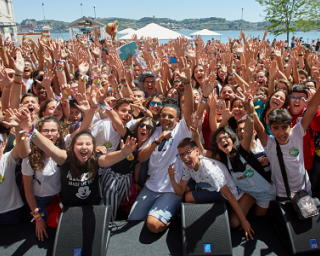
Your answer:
<point x="8" y="26"/>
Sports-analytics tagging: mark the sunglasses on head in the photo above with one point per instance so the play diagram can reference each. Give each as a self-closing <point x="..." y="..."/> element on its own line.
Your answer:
<point x="153" y="103"/>
<point x="148" y="127"/>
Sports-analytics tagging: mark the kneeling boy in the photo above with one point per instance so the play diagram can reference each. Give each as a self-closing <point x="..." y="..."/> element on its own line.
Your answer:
<point x="210" y="182"/>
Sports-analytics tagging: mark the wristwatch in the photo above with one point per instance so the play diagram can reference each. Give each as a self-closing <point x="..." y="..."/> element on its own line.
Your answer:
<point x="156" y="142"/>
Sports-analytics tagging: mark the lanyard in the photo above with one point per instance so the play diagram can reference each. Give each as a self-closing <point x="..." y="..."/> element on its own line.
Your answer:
<point x="230" y="166"/>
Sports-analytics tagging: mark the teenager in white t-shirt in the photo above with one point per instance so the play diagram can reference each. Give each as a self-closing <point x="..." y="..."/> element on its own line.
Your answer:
<point x="213" y="183"/>
<point x="157" y="203"/>
<point x="10" y="200"/>
<point x="291" y="144"/>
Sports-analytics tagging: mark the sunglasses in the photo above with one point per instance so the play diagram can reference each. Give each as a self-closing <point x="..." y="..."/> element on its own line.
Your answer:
<point x="153" y="103"/>
<point x="148" y="127"/>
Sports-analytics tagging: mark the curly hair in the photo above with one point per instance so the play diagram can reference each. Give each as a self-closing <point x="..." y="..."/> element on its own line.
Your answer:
<point x="36" y="156"/>
<point x="215" y="148"/>
<point x="92" y="165"/>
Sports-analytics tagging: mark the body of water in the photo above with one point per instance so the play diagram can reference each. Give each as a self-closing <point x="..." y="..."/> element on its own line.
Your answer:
<point x="307" y="36"/>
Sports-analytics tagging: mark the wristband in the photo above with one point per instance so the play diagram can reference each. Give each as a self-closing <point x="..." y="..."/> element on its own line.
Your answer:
<point x="234" y="74"/>
<point x="59" y="65"/>
<point x="156" y="142"/>
<point x="145" y="111"/>
<point x="104" y="106"/>
<point x="250" y="75"/>
<point x="18" y="74"/>
<point x="18" y="82"/>
<point x="135" y="182"/>
<point x="203" y="101"/>
<point x="1" y="48"/>
<point x="204" y="97"/>
<point x="187" y="83"/>
<point x="31" y="134"/>
<point x="83" y="78"/>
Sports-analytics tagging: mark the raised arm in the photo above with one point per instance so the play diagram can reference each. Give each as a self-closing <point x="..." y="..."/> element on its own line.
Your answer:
<point x="115" y="157"/>
<point x="58" y="155"/>
<point x="248" y="129"/>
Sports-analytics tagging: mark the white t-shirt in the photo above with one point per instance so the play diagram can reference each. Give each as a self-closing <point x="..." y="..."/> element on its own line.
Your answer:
<point x="259" y="151"/>
<point x="49" y="177"/>
<point x="28" y="83"/>
<point x="10" y="198"/>
<point x="159" y="180"/>
<point x="213" y="173"/>
<point x="293" y="161"/>
<point x="106" y="135"/>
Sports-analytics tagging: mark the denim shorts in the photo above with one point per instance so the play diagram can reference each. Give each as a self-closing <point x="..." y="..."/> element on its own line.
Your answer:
<point x="204" y="196"/>
<point x="162" y="206"/>
<point x="43" y="203"/>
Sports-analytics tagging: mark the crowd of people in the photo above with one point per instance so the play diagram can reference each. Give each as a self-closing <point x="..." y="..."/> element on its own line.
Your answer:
<point x="183" y="121"/>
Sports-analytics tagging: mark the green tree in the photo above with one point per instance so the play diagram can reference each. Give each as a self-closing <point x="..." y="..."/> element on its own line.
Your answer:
<point x="287" y="16"/>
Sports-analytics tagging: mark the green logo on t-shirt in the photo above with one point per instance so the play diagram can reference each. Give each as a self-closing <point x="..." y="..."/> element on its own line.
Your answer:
<point x="107" y="144"/>
<point x="249" y="173"/>
<point x="294" y="152"/>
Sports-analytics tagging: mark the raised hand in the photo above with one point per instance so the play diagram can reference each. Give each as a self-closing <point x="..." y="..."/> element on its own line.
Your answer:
<point x="5" y="80"/>
<point x="226" y="113"/>
<point x="10" y="120"/>
<point x="186" y="75"/>
<point x="171" y="171"/>
<point x="129" y="146"/>
<point x="83" y="103"/>
<point x="18" y="63"/>
<point x="47" y="79"/>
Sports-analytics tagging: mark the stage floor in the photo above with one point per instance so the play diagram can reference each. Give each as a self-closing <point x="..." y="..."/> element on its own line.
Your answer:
<point x="133" y="238"/>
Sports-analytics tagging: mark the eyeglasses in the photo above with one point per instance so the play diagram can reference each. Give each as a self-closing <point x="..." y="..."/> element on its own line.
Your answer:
<point x="296" y="98"/>
<point x="149" y="82"/>
<point x="47" y="131"/>
<point x="153" y="103"/>
<point x="185" y="154"/>
<point x="164" y="115"/>
<point x="148" y="127"/>
<point x="225" y="137"/>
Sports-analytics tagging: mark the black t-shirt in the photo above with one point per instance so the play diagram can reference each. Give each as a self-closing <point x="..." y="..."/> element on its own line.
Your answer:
<point x="238" y="166"/>
<point x="126" y="165"/>
<point x="233" y="124"/>
<point x="79" y="191"/>
<point x="139" y="116"/>
<point x="10" y="143"/>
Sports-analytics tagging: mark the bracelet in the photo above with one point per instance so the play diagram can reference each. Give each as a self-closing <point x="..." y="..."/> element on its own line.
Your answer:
<point x="250" y="75"/>
<point x="300" y="55"/>
<point x="187" y="83"/>
<point x="145" y="111"/>
<point x="1" y="48"/>
<point x="83" y="78"/>
<point x="203" y="101"/>
<point x="95" y="108"/>
<point x="158" y="77"/>
<point x="18" y="74"/>
<point x="59" y="66"/>
<point x="196" y="44"/>
<point x="18" y="82"/>
<point x="104" y="106"/>
<point x="249" y="116"/>
<point x="31" y="134"/>
<point x="238" y="67"/>
<point x="31" y="52"/>
<point x="234" y="74"/>
<point x="96" y="80"/>
<point x="204" y="97"/>
<point x="135" y="182"/>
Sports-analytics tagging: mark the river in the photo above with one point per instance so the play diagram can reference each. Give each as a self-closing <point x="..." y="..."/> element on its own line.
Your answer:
<point x="307" y="36"/>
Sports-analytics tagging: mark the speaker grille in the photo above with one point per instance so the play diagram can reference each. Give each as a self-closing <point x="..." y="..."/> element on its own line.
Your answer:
<point x="206" y="224"/>
<point x="82" y="228"/>
<point x="295" y="233"/>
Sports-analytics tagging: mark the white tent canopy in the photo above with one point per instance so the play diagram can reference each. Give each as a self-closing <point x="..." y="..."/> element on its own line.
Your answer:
<point x="154" y="31"/>
<point x="205" y="32"/>
<point x="126" y="31"/>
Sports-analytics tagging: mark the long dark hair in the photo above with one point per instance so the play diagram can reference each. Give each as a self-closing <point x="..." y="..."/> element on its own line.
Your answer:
<point x="264" y="113"/>
<point x="215" y="148"/>
<point x="197" y="84"/>
<point x="92" y="165"/>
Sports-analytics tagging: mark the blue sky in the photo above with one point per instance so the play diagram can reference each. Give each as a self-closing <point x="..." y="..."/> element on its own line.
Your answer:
<point x="69" y="10"/>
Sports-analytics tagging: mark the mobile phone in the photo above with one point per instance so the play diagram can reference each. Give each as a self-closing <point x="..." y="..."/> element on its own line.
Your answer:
<point x="241" y="177"/>
<point x="173" y="60"/>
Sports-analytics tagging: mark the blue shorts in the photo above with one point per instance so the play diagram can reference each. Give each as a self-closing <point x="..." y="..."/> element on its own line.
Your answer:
<point x="204" y="196"/>
<point x="13" y="217"/>
<point x="159" y="205"/>
<point x="43" y="203"/>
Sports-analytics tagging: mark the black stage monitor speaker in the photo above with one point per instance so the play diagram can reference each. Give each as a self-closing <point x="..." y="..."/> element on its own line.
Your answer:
<point x="299" y="236"/>
<point x="83" y="231"/>
<point x="205" y="229"/>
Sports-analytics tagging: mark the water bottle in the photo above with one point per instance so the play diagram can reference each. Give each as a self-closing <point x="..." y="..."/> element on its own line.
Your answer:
<point x="15" y="40"/>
